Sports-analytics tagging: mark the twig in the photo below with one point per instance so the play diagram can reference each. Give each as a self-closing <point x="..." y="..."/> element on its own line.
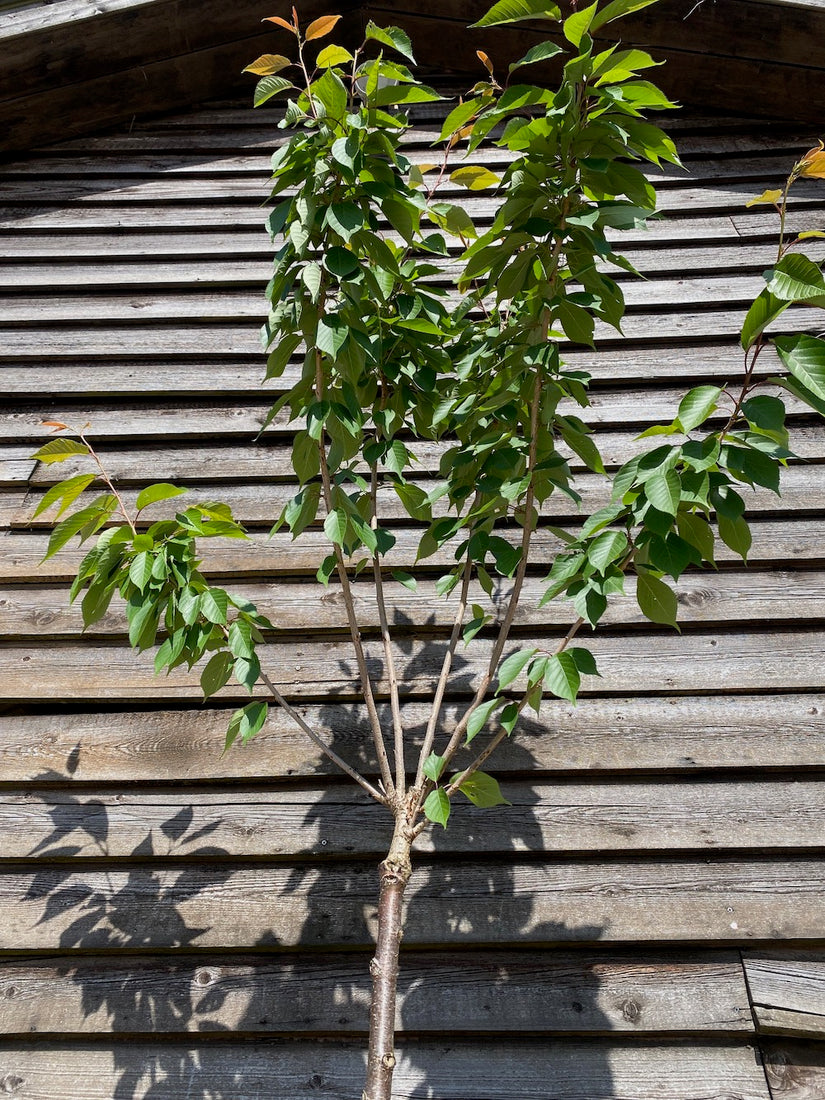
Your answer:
<point x="389" y="657"/>
<point x="325" y="749"/>
<point x="352" y="618"/>
<point x="441" y="686"/>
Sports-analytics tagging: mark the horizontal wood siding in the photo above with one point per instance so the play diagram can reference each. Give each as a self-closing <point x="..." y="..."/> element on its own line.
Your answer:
<point x="644" y="921"/>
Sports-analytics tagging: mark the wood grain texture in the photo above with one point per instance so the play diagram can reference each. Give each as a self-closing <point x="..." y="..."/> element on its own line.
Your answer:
<point x="655" y="663"/>
<point x="524" y="1070"/>
<point x="794" y="540"/>
<point x="657" y="900"/>
<point x="598" y="736"/>
<point x="787" y="991"/>
<point x="645" y="816"/>
<point x="502" y="993"/>
<point x="704" y="598"/>
<point x="795" y="1071"/>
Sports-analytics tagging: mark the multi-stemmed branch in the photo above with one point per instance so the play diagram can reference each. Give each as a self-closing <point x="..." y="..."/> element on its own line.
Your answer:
<point x="391" y="360"/>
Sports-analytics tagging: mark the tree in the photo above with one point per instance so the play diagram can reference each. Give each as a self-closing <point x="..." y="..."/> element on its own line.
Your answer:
<point x="401" y="348"/>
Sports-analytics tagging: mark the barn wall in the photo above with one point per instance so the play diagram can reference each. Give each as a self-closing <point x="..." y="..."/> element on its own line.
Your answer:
<point x="645" y="921"/>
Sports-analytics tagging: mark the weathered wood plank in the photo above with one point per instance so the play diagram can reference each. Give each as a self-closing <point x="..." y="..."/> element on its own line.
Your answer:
<point x="706" y="662"/>
<point x="803" y="489"/>
<point x="204" y="329"/>
<point x="787" y="991"/>
<point x="162" y="376"/>
<point x="774" y="731"/>
<point x="607" y="816"/>
<point x="461" y="1070"/>
<point x="472" y="902"/>
<point x="776" y="543"/>
<point x="201" y="268"/>
<point x="777" y="597"/>
<point x="795" y="1071"/>
<point x="228" y="304"/>
<point x="501" y="992"/>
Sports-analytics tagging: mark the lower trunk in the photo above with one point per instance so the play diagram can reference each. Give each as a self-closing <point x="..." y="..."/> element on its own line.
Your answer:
<point x="394" y="874"/>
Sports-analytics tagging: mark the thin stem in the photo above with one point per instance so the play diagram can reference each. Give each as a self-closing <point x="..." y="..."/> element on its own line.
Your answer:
<point x="325" y="749"/>
<point x="441" y="686"/>
<point x="104" y="475"/>
<point x="486" y="753"/>
<point x="518" y="580"/>
<point x="389" y="657"/>
<point x="349" y="603"/>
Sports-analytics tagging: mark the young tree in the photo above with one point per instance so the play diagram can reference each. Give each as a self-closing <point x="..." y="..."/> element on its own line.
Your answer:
<point x="400" y="345"/>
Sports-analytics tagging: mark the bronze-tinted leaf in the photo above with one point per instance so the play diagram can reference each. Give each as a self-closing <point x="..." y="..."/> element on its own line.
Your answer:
<point x="268" y="64"/>
<point x="281" y="22"/>
<point x="319" y="27"/>
<point x="485" y="60"/>
<point x="812" y="165"/>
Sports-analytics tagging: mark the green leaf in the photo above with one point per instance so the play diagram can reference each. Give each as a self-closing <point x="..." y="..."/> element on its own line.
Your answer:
<point x="606" y="548"/>
<point x="697" y="531"/>
<point x="162" y="490"/>
<point x="664" y="491"/>
<point x="246" y="722"/>
<point x="576" y="26"/>
<point x="804" y="356"/>
<point x="542" y="52"/>
<point x="437" y="808"/>
<point x="247" y="670"/>
<point x="331" y="335"/>
<point x="405" y="578"/>
<point x="330" y="91"/>
<point x="459" y="117"/>
<point x="66" y="492"/>
<point x="58" y="450"/>
<point x="393" y="37"/>
<point x="796" y="279"/>
<point x="584" y="660"/>
<point x="478" y="719"/>
<point x="213" y="605"/>
<point x="483" y="790"/>
<point x="335" y="526"/>
<point x="765" y="308"/>
<point x="511" y="668"/>
<point x="84" y="523"/>
<point x="512" y="11"/>
<point x="656" y="600"/>
<point x="332" y="55"/>
<point x="268" y="87"/>
<point x="140" y="571"/>
<point x="474" y="178"/>
<point x="616" y="10"/>
<point x="399" y="94"/>
<point x="697" y="405"/>
<point x="561" y="677"/>
<point x="735" y="533"/>
<point x="434" y="766"/>
<point x="216" y="673"/>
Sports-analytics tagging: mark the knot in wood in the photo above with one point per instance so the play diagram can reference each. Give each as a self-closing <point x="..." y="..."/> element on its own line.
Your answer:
<point x="388" y="1060"/>
<point x="11" y="1083"/>
<point x="631" y="1010"/>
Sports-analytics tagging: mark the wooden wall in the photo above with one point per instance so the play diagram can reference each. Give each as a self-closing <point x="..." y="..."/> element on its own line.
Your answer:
<point x="646" y="922"/>
<point x="71" y="67"/>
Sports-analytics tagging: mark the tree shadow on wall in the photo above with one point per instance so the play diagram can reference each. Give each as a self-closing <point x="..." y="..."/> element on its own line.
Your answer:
<point x="132" y="905"/>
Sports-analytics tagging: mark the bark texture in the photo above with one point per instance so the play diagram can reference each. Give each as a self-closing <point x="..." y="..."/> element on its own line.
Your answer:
<point x="394" y="874"/>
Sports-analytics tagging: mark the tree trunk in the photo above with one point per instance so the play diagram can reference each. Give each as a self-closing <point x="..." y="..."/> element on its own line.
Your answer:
<point x="394" y="874"/>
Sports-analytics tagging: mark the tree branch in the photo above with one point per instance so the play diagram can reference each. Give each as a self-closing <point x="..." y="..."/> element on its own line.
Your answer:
<point x="349" y="603"/>
<point x="441" y="686"/>
<point x="325" y="749"/>
<point x="389" y="657"/>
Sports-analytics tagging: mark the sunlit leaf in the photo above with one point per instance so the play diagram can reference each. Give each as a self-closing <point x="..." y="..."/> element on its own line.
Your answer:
<point x="769" y="197"/>
<point x="436" y="808"/>
<point x="512" y="11"/>
<point x="321" y="26"/>
<point x="474" y="178"/>
<point x="268" y="64"/>
<point x="483" y="790"/>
